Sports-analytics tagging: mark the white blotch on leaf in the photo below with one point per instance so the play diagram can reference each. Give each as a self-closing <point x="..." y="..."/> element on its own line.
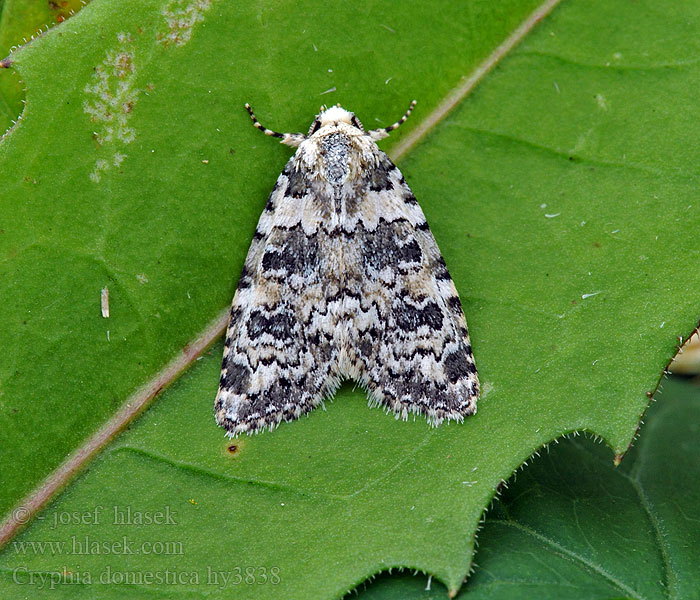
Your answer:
<point x="181" y="16"/>
<point x="602" y="102"/>
<point x="111" y="97"/>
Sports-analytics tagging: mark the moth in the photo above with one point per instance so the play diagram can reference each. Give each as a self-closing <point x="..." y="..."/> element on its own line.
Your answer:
<point x="343" y="280"/>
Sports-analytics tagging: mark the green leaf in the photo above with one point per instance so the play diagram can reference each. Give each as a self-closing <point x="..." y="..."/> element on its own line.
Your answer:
<point x="573" y="526"/>
<point x="20" y="20"/>
<point x="570" y="323"/>
<point x="146" y="217"/>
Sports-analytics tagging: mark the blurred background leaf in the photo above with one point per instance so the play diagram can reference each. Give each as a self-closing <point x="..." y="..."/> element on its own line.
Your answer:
<point x="571" y="525"/>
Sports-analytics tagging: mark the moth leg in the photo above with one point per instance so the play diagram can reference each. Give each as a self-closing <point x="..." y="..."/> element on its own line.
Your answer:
<point x="379" y="134"/>
<point x="290" y="139"/>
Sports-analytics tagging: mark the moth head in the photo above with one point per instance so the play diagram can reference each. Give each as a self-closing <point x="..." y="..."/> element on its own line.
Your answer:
<point x="332" y="116"/>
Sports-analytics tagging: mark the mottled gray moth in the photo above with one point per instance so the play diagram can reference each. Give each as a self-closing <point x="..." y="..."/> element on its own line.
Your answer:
<point x="343" y="280"/>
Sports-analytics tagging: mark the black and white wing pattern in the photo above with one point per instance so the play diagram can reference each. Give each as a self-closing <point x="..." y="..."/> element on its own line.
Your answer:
<point x="278" y="356"/>
<point x="343" y="280"/>
<point x="409" y="332"/>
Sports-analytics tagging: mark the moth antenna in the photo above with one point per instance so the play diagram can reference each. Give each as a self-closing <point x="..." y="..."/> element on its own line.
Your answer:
<point x="290" y="139"/>
<point x="259" y="125"/>
<point x="379" y="134"/>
